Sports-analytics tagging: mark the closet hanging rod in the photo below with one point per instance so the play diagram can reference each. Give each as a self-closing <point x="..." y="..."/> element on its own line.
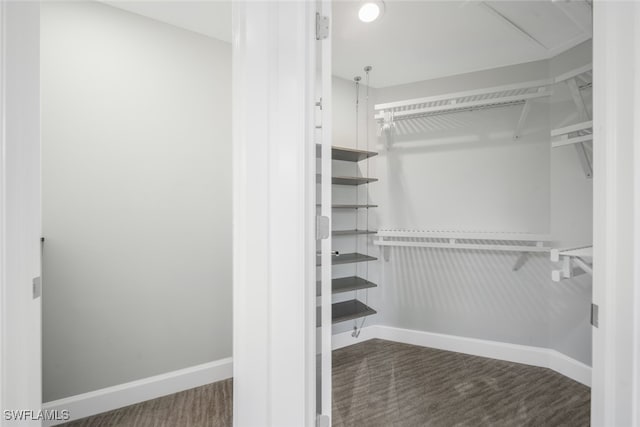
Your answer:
<point x="468" y="246"/>
<point x="466" y="235"/>
<point x="480" y="241"/>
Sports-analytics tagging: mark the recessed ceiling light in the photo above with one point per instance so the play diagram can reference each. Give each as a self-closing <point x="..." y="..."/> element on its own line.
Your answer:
<point x="370" y="11"/>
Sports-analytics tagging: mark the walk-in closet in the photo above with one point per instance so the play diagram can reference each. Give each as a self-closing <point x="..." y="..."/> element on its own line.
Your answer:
<point x="461" y="238"/>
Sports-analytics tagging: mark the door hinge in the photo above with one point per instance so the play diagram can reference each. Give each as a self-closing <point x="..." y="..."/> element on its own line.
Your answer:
<point x="594" y="315"/>
<point x="37" y="287"/>
<point x="322" y="27"/>
<point x="323" y="228"/>
<point x="322" y="421"/>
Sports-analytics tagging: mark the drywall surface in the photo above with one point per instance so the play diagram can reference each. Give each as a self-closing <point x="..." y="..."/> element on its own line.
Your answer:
<point x="464" y="172"/>
<point x="136" y="198"/>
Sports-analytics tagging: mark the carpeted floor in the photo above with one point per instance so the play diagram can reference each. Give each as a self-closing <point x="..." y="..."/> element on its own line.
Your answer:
<point x="381" y="383"/>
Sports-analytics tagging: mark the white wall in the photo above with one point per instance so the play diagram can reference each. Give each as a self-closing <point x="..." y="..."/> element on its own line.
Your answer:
<point x="464" y="172"/>
<point x="136" y="198"/>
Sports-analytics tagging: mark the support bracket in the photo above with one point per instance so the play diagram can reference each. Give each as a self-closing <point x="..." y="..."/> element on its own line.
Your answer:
<point x="522" y="259"/>
<point x="386" y="253"/>
<point x="388" y="128"/>
<point x="583" y="115"/>
<point x="523" y="117"/>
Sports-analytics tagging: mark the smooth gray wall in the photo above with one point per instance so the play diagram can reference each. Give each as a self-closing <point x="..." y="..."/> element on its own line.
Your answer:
<point x="136" y="198"/>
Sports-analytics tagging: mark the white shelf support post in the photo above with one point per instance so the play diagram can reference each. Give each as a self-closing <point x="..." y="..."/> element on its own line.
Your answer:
<point x="583" y="115"/>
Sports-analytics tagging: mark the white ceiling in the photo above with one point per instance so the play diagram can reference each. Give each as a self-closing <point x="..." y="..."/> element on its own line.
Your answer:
<point x="420" y="40"/>
<point x="415" y="40"/>
<point x="211" y="18"/>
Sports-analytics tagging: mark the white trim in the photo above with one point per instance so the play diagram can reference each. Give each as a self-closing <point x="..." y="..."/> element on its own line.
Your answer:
<point x="20" y="221"/>
<point x="528" y="355"/>
<point x="110" y="398"/>
<point x="615" y="397"/>
<point x="326" y="95"/>
<point x="345" y="339"/>
<point x="3" y="204"/>
<point x="274" y="289"/>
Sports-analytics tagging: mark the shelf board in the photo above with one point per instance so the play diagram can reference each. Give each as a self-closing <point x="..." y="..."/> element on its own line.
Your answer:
<point x="348" y="258"/>
<point x="351" y="283"/>
<point x="347" y="154"/>
<point x="513" y="94"/>
<point x="349" y="310"/>
<point x="351" y="232"/>
<point x="353" y="206"/>
<point x="351" y="180"/>
<point x="346" y="284"/>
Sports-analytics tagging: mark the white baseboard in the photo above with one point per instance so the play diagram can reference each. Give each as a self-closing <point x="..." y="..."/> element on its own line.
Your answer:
<point x="345" y="339"/>
<point x="528" y="355"/>
<point x="110" y="398"/>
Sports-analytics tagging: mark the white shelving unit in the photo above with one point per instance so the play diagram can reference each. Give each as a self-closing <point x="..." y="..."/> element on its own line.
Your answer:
<point x="498" y="96"/>
<point x="581" y="257"/>
<point x="581" y="134"/>
<point x="478" y="241"/>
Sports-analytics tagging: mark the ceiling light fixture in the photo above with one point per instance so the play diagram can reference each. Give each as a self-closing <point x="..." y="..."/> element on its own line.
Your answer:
<point x="371" y="10"/>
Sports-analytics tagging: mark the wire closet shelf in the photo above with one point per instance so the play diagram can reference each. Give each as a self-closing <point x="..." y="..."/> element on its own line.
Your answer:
<point x="489" y="241"/>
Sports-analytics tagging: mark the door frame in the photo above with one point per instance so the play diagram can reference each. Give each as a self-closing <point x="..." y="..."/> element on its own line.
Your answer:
<point x="615" y="389"/>
<point x="20" y="216"/>
<point x="274" y="213"/>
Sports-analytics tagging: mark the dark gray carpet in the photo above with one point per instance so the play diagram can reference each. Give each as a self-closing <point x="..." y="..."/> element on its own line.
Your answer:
<point x="207" y="406"/>
<point x="381" y="383"/>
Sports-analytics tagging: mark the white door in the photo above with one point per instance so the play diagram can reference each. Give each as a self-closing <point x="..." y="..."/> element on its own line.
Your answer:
<point x="20" y="357"/>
